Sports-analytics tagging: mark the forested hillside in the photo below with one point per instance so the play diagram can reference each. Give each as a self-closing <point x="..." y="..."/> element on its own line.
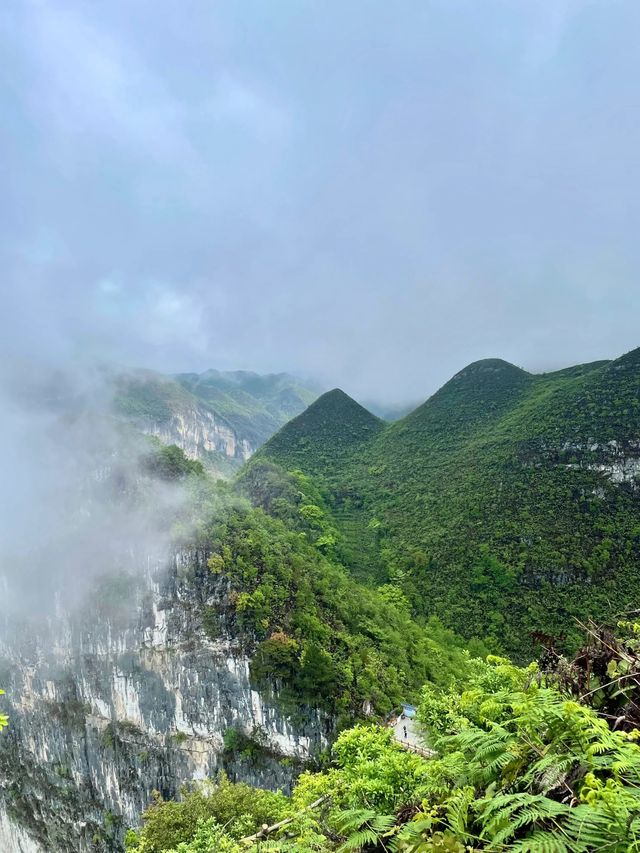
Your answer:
<point x="317" y="635"/>
<point x="244" y="645"/>
<point x="507" y="504"/>
<point x="503" y="504"/>
<point x="352" y="566"/>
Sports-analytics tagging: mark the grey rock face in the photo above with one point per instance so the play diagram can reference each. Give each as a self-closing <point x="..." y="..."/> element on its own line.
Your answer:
<point x="132" y="697"/>
<point x="617" y="461"/>
<point x="199" y="432"/>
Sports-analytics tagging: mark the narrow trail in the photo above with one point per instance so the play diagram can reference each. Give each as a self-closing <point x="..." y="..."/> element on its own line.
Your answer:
<point x="412" y="740"/>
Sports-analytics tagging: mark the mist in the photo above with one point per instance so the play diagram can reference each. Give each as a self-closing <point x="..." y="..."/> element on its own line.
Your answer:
<point x="370" y="195"/>
<point x="75" y="506"/>
<point x="366" y="195"/>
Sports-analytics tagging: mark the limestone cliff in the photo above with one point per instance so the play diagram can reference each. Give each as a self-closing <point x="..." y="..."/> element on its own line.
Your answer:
<point x="220" y="418"/>
<point x="201" y="434"/>
<point x="133" y="696"/>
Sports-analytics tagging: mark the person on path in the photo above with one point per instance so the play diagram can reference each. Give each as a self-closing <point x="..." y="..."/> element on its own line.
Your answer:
<point x="404" y="729"/>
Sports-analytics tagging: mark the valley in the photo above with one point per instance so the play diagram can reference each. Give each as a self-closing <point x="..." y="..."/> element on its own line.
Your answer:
<point x="348" y="566"/>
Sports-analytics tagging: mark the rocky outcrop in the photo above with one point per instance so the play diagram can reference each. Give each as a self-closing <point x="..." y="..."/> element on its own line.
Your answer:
<point x="132" y="697"/>
<point x="199" y="433"/>
<point x="220" y="418"/>
<point x="13" y="839"/>
<point x="618" y="461"/>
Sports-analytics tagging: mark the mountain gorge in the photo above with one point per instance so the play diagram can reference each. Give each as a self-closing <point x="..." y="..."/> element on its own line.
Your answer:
<point x="240" y="645"/>
<point x="350" y="565"/>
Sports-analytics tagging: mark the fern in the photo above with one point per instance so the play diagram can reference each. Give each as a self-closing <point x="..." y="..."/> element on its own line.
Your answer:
<point x="542" y="842"/>
<point x="457" y="813"/>
<point x="363" y="827"/>
<point x="504" y="816"/>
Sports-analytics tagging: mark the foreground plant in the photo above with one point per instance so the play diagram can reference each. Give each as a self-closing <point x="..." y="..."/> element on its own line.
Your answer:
<point x="520" y="767"/>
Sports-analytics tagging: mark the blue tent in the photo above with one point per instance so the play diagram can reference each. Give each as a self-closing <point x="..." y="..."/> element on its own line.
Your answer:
<point x="409" y="711"/>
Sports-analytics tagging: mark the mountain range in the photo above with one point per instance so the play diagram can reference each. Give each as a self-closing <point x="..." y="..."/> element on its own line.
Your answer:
<point x="505" y="504"/>
<point x="350" y="565"/>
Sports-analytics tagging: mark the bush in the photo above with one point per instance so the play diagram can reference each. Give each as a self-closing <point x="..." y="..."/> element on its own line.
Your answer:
<point x="240" y="809"/>
<point x="171" y="463"/>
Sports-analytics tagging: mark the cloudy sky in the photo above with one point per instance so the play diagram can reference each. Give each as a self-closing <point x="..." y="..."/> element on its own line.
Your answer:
<point x="371" y="193"/>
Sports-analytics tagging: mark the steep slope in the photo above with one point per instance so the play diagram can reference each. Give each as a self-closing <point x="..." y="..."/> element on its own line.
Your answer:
<point x="255" y="405"/>
<point x="477" y="394"/>
<point x="507" y="500"/>
<point x="238" y="646"/>
<point x="322" y="441"/>
<point x="216" y="417"/>
<point x="324" y="436"/>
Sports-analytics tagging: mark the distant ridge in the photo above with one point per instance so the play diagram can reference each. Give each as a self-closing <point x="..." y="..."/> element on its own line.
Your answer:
<point x="218" y="417"/>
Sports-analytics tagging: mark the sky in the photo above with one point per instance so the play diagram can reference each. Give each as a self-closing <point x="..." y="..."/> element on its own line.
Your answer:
<point x="371" y="194"/>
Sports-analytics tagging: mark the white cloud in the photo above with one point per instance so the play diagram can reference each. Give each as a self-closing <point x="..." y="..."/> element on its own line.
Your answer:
<point x="240" y="103"/>
<point x="90" y="84"/>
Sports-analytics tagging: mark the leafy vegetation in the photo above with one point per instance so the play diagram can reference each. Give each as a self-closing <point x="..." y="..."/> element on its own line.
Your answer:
<point x="493" y="505"/>
<point x="170" y="463"/>
<point x="252" y="747"/>
<point x="319" y="636"/>
<point x="351" y="550"/>
<point x="519" y="766"/>
<point x="238" y="808"/>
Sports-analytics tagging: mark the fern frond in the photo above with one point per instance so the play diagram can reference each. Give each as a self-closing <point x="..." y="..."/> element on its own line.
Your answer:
<point x="350" y="820"/>
<point x="502" y="817"/>
<point x="542" y="842"/>
<point x="383" y="823"/>
<point x="358" y="840"/>
<point x="457" y="815"/>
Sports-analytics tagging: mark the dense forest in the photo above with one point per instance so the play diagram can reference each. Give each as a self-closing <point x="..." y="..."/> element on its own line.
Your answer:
<point x="505" y="504"/>
<point x="430" y="561"/>
<point x="522" y="762"/>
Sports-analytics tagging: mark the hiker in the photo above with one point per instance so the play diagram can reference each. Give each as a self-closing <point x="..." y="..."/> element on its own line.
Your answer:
<point x="404" y="729"/>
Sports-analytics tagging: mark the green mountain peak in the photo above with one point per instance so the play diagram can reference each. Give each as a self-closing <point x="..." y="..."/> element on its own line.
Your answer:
<point x="480" y="391"/>
<point x="507" y="501"/>
<point x="328" y="431"/>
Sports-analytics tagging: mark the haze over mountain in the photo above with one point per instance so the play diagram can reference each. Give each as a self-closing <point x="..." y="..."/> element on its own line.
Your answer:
<point x="368" y="199"/>
<point x="237" y="626"/>
<point x="304" y="581"/>
<point x="218" y="417"/>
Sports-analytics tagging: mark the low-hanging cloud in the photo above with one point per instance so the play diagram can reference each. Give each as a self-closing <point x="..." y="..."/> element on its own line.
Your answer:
<point x="75" y="507"/>
<point x="372" y="194"/>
